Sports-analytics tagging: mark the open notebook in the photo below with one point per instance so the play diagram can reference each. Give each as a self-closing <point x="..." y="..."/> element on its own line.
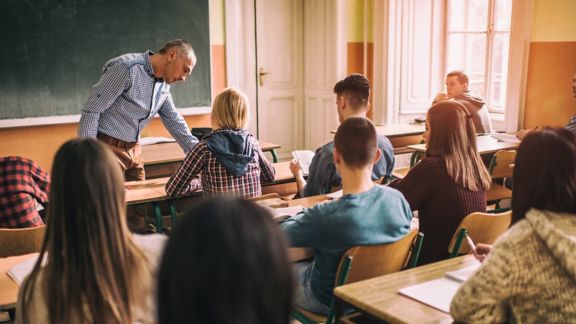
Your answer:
<point x="20" y="271"/>
<point x="305" y="158"/>
<point x="439" y="293"/>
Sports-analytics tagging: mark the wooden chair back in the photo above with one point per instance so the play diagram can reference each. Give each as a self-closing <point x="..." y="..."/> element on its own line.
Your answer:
<point x="500" y="164"/>
<point x="482" y="228"/>
<point x="18" y="241"/>
<point x="371" y="261"/>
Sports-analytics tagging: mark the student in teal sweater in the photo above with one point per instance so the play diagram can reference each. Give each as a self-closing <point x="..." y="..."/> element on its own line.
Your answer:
<point x="366" y="214"/>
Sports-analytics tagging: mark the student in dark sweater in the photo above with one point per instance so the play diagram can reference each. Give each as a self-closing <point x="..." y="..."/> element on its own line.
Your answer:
<point x="450" y="182"/>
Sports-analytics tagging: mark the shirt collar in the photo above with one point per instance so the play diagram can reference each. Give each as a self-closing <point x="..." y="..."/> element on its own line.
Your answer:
<point x="148" y="66"/>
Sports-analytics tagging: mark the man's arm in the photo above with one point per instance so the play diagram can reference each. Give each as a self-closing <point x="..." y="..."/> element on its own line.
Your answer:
<point x="112" y="83"/>
<point x="176" y="125"/>
<point x="321" y="173"/>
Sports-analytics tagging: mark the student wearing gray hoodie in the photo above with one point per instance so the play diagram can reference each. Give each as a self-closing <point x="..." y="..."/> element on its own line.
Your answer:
<point x="457" y="89"/>
<point x="529" y="276"/>
<point x="227" y="162"/>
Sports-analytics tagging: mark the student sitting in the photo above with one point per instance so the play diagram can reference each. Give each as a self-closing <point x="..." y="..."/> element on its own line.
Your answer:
<point x="23" y="184"/>
<point x="94" y="272"/>
<point x="450" y="182"/>
<point x="366" y="214"/>
<point x="352" y="96"/>
<point x="529" y="275"/>
<point x="229" y="161"/>
<point x="226" y="262"/>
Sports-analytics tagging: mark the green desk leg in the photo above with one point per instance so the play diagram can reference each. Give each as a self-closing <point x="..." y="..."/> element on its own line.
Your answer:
<point x="274" y="156"/>
<point x="172" y="214"/>
<point x="158" y="215"/>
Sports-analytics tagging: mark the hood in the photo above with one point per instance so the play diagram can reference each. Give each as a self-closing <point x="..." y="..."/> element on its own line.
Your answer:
<point x="558" y="232"/>
<point x="232" y="149"/>
<point x="474" y="101"/>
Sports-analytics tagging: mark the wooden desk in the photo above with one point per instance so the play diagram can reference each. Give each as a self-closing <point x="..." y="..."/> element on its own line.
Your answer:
<point x="8" y="287"/>
<point x="400" y="135"/>
<point x="486" y="145"/>
<point x="163" y="159"/>
<point x="379" y="296"/>
<point x="153" y="193"/>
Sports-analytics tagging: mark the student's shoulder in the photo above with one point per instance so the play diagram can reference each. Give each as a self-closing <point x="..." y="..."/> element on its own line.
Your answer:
<point x="384" y="142"/>
<point x="387" y="193"/>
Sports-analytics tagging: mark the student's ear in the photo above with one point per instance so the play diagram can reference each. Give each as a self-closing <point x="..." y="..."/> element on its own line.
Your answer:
<point x="368" y="107"/>
<point x="377" y="156"/>
<point x="337" y="158"/>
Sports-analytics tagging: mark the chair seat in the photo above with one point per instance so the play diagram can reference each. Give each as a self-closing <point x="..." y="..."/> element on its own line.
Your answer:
<point x="498" y="192"/>
<point x="313" y="316"/>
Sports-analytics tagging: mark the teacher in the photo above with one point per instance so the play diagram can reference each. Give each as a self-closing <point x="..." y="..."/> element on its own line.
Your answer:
<point x="132" y="89"/>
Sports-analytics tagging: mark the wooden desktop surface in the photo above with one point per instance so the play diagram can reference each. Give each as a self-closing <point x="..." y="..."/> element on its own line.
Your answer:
<point x="397" y="130"/>
<point x="486" y="144"/>
<point x="8" y="287"/>
<point x="379" y="296"/>
<point x="139" y="192"/>
<point x="171" y="152"/>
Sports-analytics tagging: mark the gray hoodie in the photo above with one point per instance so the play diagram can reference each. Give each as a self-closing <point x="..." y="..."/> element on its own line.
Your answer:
<point x="478" y="110"/>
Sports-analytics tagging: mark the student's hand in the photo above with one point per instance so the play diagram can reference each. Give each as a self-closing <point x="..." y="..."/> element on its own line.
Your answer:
<point x="482" y="251"/>
<point x="296" y="169"/>
<point x="441" y="97"/>
<point x="523" y="132"/>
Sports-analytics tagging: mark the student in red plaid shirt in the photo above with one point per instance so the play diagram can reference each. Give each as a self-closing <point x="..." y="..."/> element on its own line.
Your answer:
<point x="227" y="162"/>
<point x="22" y="184"/>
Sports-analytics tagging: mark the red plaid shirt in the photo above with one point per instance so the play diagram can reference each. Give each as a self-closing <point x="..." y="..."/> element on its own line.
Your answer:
<point x="22" y="183"/>
<point x="214" y="179"/>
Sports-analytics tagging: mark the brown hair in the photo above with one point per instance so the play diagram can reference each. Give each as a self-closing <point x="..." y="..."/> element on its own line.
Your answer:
<point x="545" y="173"/>
<point x="226" y="262"/>
<point x="357" y="142"/>
<point x="453" y="136"/>
<point x="93" y="272"/>
<point x="356" y="89"/>
<point x="462" y="77"/>
<point x="230" y="109"/>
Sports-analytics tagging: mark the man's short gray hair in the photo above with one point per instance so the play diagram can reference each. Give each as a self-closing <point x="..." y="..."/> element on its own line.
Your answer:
<point x="182" y="45"/>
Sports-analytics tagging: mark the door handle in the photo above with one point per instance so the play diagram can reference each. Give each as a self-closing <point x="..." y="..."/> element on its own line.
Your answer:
<point x="261" y="74"/>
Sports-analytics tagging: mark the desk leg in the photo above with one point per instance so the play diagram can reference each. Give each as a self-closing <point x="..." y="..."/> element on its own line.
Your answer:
<point x="173" y="214"/>
<point x="274" y="156"/>
<point x="158" y="214"/>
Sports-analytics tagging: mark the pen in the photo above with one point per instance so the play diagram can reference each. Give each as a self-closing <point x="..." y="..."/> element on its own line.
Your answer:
<point x="470" y="243"/>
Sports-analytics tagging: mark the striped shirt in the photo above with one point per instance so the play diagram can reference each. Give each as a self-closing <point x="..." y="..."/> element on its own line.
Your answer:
<point x="215" y="179"/>
<point x="126" y="99"/>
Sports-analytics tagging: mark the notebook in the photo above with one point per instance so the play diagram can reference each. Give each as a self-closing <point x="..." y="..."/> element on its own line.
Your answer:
<point x="439" y="293"/>
<point x="20" y="271"/>
<point x="503" y="137"/>
<point x="305" y="158"/>
<point x="284" y="213"/>
<point x="155" y="140"/>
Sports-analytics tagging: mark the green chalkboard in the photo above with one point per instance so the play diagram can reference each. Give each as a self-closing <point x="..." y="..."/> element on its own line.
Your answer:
<point x="52" y="51"/>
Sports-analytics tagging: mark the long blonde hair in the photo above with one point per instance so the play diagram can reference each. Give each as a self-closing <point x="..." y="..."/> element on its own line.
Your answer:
<point x="230" y="109"/>
<point x="94" y="272"/>
<point x="453" y="136"/>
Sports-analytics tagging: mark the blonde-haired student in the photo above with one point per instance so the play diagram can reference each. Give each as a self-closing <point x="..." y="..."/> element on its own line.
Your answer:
<point x="95" y="271"/>
<point x="227" y="162"/>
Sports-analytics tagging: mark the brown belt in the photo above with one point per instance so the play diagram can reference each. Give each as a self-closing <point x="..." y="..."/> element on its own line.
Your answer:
<point x="115" y="142"/>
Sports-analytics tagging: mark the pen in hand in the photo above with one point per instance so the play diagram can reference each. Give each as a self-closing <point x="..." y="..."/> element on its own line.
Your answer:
<point x="470" y="243"/>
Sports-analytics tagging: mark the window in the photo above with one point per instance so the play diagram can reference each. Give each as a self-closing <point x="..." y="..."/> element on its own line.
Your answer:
<point x="478" y="42"/>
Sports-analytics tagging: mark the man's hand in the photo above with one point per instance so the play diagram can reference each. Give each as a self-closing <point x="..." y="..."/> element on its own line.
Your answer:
<point x="296" y="169"/>
<point x="441" y="97"/>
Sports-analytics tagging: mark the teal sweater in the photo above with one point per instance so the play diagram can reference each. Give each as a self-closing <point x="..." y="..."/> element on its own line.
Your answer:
<point x="379" y="215"/>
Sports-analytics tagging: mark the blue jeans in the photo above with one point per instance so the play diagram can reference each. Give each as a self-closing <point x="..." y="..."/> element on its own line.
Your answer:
<point x="304" y="296"/>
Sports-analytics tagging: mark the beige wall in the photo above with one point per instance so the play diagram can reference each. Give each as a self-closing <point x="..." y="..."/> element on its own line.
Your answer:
<point x="552" y="63"/>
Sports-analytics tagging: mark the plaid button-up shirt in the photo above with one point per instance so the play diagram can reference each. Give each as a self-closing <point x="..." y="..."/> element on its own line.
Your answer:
<point x="22" y="184"/>
<point x="126" y="99"/>
<point x="215" y="180"/>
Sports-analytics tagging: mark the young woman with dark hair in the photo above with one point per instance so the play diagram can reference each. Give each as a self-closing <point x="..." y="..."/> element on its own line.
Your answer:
<point x="529" y="274"/>
<point x="94" y="271"/>
<point x="226" y="262"/>
<point x="450" y="182"/>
